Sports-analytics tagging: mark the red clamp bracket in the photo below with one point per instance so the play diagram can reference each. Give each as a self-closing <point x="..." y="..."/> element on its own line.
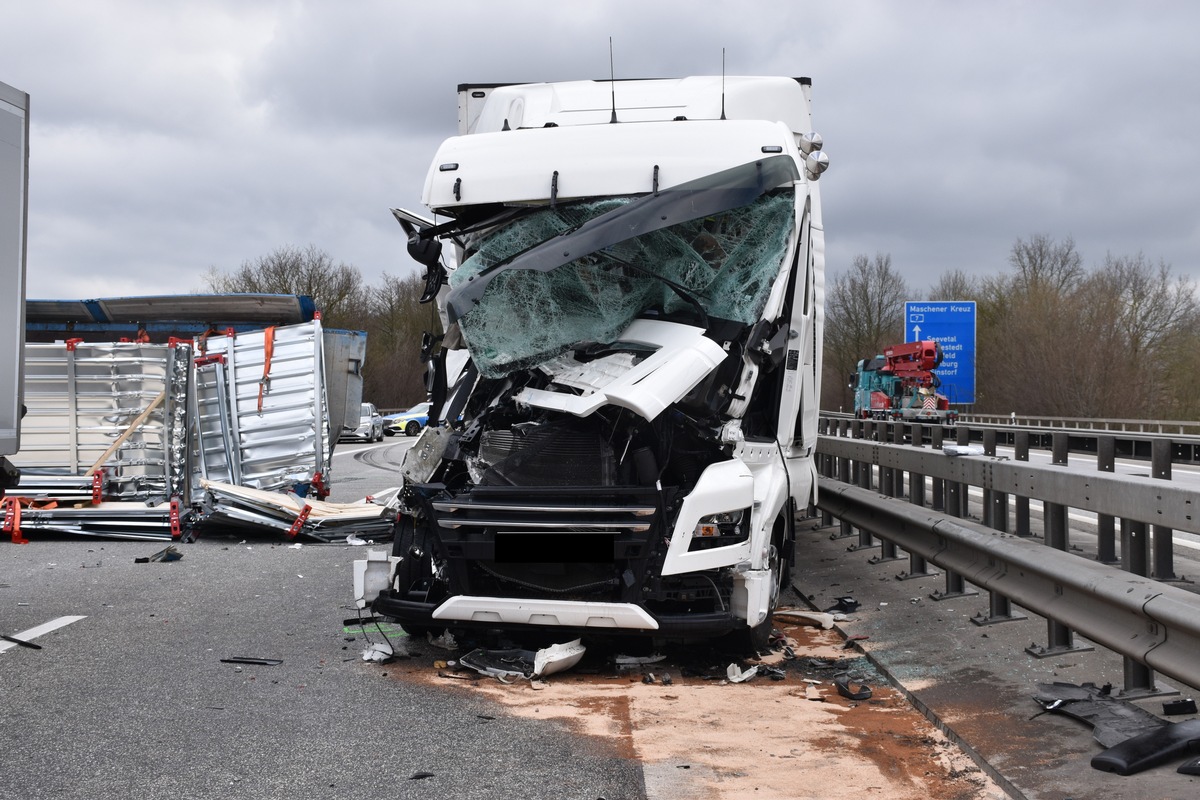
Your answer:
<point x="215" y="358"/>
<point x="301" y="518"/>
<point x="12" y="519"/>
<point x="97" y="486"/>
<point x="318" y="486"/>
<point x="176" y="527"/>
<point x="72" y="344"/>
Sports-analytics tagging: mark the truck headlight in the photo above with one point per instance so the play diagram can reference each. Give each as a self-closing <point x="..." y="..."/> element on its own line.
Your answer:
<point x="721" y="530"/>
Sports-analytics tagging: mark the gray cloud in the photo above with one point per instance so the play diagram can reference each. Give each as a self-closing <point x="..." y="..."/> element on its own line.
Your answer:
<point x="167" y="140"/>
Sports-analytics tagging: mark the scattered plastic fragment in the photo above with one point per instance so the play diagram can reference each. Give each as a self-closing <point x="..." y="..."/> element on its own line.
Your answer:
<point x="379" y="652"/>
<point x="735" y="674"/>
<point x="1173" y="708"/>
<point x="842" y="682"/>
<point x="666" y="679"/>
<point x="1158" y="746"/>
<point x="506" y="665"/>
<point x="850" y="640"/>
<point x="166" y="554"/>
<point x="557" y="658"/>
<point x="21" y="642"/>
<point x="634" y="661"/>
<point x="419" y="776"/>
<point x="446" y="641"/>
<point x="812" y="693"/>
<point x="820" y="618"/>
<point x="354" y="540"/>
<point x="263" y="662"/>
<point x="844" y="605"/>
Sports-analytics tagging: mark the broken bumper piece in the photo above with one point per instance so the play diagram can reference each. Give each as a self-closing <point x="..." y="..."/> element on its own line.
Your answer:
<point x="464" y="611"/>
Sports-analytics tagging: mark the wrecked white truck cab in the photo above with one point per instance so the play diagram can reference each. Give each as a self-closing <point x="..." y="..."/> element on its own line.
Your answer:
<point x="639" y="291"/>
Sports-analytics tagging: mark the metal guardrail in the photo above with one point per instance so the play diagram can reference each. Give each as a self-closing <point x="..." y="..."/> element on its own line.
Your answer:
<point x="1155" y="625"/>
<point x="1151" y="426"/>
<point x="1151" y="622"/>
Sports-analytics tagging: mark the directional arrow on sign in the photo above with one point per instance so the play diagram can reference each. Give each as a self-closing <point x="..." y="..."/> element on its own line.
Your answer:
<point x="916" y="333"/>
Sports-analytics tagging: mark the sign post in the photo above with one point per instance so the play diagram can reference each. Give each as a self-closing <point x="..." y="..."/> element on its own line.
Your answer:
<point x="950" y="323"/>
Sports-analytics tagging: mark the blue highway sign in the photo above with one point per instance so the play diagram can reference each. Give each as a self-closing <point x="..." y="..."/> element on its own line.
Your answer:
<point x="950" y="323"/>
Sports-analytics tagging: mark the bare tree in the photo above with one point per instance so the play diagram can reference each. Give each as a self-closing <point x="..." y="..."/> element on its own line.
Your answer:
<point x="955" y="285"/>
<point x="864" y="311"/>
<point x="1042" y="263"/>
<point x="395" y="375"/>
<point x="337" y="289"/>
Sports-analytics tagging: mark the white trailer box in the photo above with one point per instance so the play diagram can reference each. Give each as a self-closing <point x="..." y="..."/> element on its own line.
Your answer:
<point x="14" y="185"/>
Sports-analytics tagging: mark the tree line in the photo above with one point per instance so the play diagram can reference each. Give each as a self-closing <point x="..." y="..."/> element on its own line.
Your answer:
<point x="388" y="311"/>
<point x="1053" y="338"/>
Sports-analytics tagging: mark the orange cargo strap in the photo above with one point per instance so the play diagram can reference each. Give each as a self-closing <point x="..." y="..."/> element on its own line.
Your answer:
<point x="12" y="519"/>
<point x="268" y="351"/>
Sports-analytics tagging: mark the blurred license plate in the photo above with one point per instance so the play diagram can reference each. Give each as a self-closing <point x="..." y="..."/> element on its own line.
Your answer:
<point x="553" y="547"/>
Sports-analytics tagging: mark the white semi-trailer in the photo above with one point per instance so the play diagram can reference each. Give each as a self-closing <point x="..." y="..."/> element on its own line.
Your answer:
<point x="14" y="190"/>
<point x="638" y="305"/>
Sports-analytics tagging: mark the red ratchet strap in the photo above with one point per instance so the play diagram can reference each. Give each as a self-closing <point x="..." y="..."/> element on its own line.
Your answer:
<point x="176" y="528"/>
<point x="12" y="519"/>
<point x="268" y="351"/>
<point x="318" y="486"/>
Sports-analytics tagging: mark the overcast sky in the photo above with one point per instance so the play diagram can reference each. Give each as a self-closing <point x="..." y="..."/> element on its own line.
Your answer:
<point x="170" y="138"/>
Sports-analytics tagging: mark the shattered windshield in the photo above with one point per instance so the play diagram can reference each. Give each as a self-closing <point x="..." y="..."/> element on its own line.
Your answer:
<point x="523" y="310"/>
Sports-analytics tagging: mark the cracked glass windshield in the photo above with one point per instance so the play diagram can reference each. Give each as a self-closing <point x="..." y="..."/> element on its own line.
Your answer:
<point x="727" y="261"/>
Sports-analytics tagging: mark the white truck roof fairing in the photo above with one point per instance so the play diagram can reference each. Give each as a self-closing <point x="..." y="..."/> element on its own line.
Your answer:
<point x="532" y="166"/>
<point x="487" y="108"/>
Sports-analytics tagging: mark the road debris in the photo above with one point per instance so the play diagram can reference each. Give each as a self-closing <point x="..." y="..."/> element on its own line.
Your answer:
<point x="166" y="554"/>
<point x="842" y="683"/>
<point x="262" y="662"/>
<point x="510" y="664"/>
<point x="735" y="674"/>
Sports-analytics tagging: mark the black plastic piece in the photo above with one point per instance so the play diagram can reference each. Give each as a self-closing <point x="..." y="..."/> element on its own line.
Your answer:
<point x="1150" y="749"/>
<point x="842" y="682"/>
<point x="1114" y="721"/>
<point x="1190" y="767"/>
<point x="1172" y="708"/>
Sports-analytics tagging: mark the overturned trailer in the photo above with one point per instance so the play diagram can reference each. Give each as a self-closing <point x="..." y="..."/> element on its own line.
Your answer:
<point x="124" y="438"/>
<point x="640" y="295"/>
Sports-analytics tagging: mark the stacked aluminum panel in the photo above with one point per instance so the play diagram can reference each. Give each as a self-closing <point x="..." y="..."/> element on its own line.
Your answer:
<point x="262" y="410"/>
<point x="119" y="436"/>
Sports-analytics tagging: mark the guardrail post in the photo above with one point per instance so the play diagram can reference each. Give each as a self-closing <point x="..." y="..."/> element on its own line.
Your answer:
<point x="1000" y="608"/>
<point x="1106" y="529"/>
<point x="862" y="478"/>
<point x="1135" y="558"/>
<point x="955" y="585"/>
<point x="995" y="503"/>
<point x="1021" y="504"/>
<point x="939" y="485"/>
<point x="844" y="474"/>
<point x="1060" y="638"/>
<point x="1163" y="540"/>
<point x="963" y="437"/>
<point x="918" y="567"/>
<point x="891" y="484"/>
